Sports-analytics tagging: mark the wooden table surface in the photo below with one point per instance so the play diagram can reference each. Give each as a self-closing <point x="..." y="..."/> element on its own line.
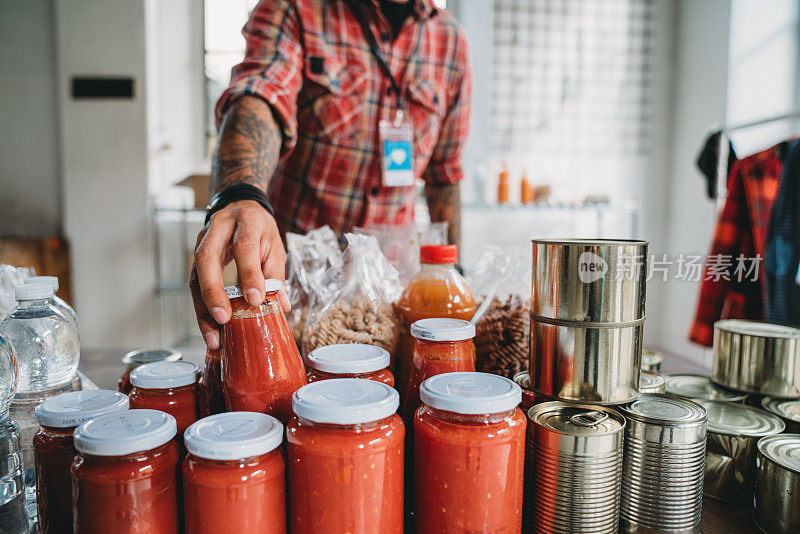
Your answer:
<point x="104" y="368"/>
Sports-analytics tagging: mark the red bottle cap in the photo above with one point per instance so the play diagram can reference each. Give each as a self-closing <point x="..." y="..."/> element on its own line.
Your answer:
<point x="438" y="253"/>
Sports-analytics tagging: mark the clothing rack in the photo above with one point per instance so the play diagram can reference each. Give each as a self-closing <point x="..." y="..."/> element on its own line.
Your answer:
<point x="722" y="162"/>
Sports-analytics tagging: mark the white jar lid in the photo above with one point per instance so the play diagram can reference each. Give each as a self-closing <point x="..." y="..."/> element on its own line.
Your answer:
<point x="233" y="436"/>
<point x="164" y="374"/>
<point x="52" y="280"/>
<point x="33" y="291"/>
<point x="349" y="358"/>
<point x="470" y="393"/>
<point x="442" y="329"/>
<point x="270" y="286"/>
<point x="118" y="434"/>
<point x="69" y="410"/>
<point x="345" y="401"/>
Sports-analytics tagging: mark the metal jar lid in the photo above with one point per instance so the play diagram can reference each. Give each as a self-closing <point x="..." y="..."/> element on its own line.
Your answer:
<point x="651" y="358"/>
<point x="661" y="409"/>
<point x="135" y="358"/>
<point x="650" y="382"/>
<point x="739" y="420"/>
<point x="700" y="387"/>
<point x="786" y="408"/>
<point x="783" y="449"/>
<point x="523" y="379"/>
<point x="757" y="329"/>
<point x="576" y="419"/>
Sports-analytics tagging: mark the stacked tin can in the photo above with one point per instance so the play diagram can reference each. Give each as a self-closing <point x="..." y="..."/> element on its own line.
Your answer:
<point x="574" y="465"/>
<point x="665" y="448"/>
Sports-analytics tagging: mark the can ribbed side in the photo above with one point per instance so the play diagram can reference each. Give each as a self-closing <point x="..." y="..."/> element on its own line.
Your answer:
<point x="571" y="493"/>
<point x="662" y="484"/>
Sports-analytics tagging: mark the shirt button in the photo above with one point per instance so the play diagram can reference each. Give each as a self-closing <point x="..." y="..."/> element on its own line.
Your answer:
<point x="374" y="191"/>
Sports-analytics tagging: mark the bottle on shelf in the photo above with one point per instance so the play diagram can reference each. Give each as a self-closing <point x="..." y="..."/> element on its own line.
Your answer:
<point x="526" y="190"/>
<point x="46" y="349"/>
<point x="437" y="290"/>
<point x="502" y="185"/>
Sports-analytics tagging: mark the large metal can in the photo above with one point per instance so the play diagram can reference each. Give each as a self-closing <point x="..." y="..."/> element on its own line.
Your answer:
<point x="758" y="358"/>
<point x="701" y="387"/>
<point x="777" y="493"/>
<point x="587" y="315"/>
<point x="733" y="432"/>
<point x="787" y="409"/>
<point x="662" y="477"/>
<point x="574" y="462"/>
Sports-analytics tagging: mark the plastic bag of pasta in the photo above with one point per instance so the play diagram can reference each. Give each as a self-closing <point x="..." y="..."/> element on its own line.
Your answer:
<point x="361" y="306"/>
<point x="501" y="283"/>
<point x="309" y="257"/>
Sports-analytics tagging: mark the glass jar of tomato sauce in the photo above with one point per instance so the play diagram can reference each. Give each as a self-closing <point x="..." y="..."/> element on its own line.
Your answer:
<point x="350" y="360"/>
<point x="346" y="458"/>
<point x="54" y="450"/>
<point x="170" y="387"/>
<point x="124" y="479"/>
<point x="211" y="400"/>
<point x="234" y="476"/>
<point x="135" y="358"/>
<point x="441" y="346"/>
<point x="261" y="366"/>
<point x="437" y="290"/>
<point x="469" y="454"/>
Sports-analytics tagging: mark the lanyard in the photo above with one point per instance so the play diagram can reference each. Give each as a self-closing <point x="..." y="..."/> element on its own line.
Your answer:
<point x="376" y="51"/>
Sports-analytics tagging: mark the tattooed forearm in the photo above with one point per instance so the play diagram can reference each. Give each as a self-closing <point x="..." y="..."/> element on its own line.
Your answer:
<point x="444" y="204"/>
<point x="249" y="145"/>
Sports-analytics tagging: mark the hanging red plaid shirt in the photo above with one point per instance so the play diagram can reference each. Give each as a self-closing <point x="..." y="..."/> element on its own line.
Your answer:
<point x="741" y="231"/>
<point x="310" y="61"/>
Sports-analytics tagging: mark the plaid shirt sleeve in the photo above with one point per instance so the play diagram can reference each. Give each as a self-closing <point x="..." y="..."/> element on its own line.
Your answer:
<point x="445" y="166"/>
<point x="272" y="68"/>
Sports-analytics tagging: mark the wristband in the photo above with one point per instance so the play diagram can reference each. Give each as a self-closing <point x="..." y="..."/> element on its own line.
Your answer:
<point x="236" y="193"/>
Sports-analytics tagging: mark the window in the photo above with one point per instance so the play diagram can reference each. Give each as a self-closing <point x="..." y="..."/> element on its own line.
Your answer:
<point x="571" y="88"/>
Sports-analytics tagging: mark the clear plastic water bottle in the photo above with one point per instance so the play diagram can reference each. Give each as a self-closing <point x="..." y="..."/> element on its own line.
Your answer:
<point x="45" y="342"/>
<point x="46" y="350"/>
<point x="59" y="303"/>
<point x="13" y="515"/>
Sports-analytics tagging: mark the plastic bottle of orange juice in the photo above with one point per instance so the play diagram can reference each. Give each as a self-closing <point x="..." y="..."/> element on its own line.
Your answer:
<point x="437" y="290"/>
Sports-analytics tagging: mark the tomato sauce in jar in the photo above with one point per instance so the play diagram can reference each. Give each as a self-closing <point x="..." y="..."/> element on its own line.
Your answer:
<point x="54" y="450"/>
<point x="437" y="290"/>
<point x="211" y="400"/>
<point x="469" y="454"/>
<point x="346" y="458"/>
<point x="350" y="360"/>
<point x="135" y="358"/>
<point x="234" y="478"/>
<point x="261" y="366"/>
<point x="124" y="479"/>
<point x="441" y="346"/>
<point x="170" y="387"/>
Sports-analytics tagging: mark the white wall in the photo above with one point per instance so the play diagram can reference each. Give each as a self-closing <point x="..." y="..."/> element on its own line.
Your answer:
<point x="104" y="159"/>
<point x="29" y="184"/>
<point x="699" y="100"/>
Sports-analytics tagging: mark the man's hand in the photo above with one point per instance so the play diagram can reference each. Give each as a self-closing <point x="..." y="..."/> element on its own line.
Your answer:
<point x="245" y="232"/>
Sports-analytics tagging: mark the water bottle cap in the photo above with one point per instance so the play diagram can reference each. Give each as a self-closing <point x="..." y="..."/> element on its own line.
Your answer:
<point x="52" y="280"/>
<point x="33" y="291"/>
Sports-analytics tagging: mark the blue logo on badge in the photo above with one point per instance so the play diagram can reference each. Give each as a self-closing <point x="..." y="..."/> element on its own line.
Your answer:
<point x="398" y="155"/>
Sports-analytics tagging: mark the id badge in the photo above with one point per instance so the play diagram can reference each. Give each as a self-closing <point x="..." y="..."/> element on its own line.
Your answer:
<point x="397" y="142"/>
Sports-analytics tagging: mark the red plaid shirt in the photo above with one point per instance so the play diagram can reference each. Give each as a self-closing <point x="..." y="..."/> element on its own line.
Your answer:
<point x="310" y="61"/>
<point x="741" y="229"/>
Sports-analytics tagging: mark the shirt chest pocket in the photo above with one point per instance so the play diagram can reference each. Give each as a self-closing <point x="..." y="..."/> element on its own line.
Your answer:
<point x="427" y="113"/>
<point x="331" y="103"/>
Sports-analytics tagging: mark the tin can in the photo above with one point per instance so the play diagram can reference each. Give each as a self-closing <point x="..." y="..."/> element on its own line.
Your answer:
<point x="756" y="357"/>
<point x="574" y="456"/>
<point x="787" y="409"/>
<point x="733" y="432"/>
<point x="523" y="380"/>
<point x="650" y="382"/>
<point x="662" y="477"/>
<point x="587" y="315"/>
<point x="700" y="387"/>
<point x="651" y="360"/>
<point x="777" y="492"/>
